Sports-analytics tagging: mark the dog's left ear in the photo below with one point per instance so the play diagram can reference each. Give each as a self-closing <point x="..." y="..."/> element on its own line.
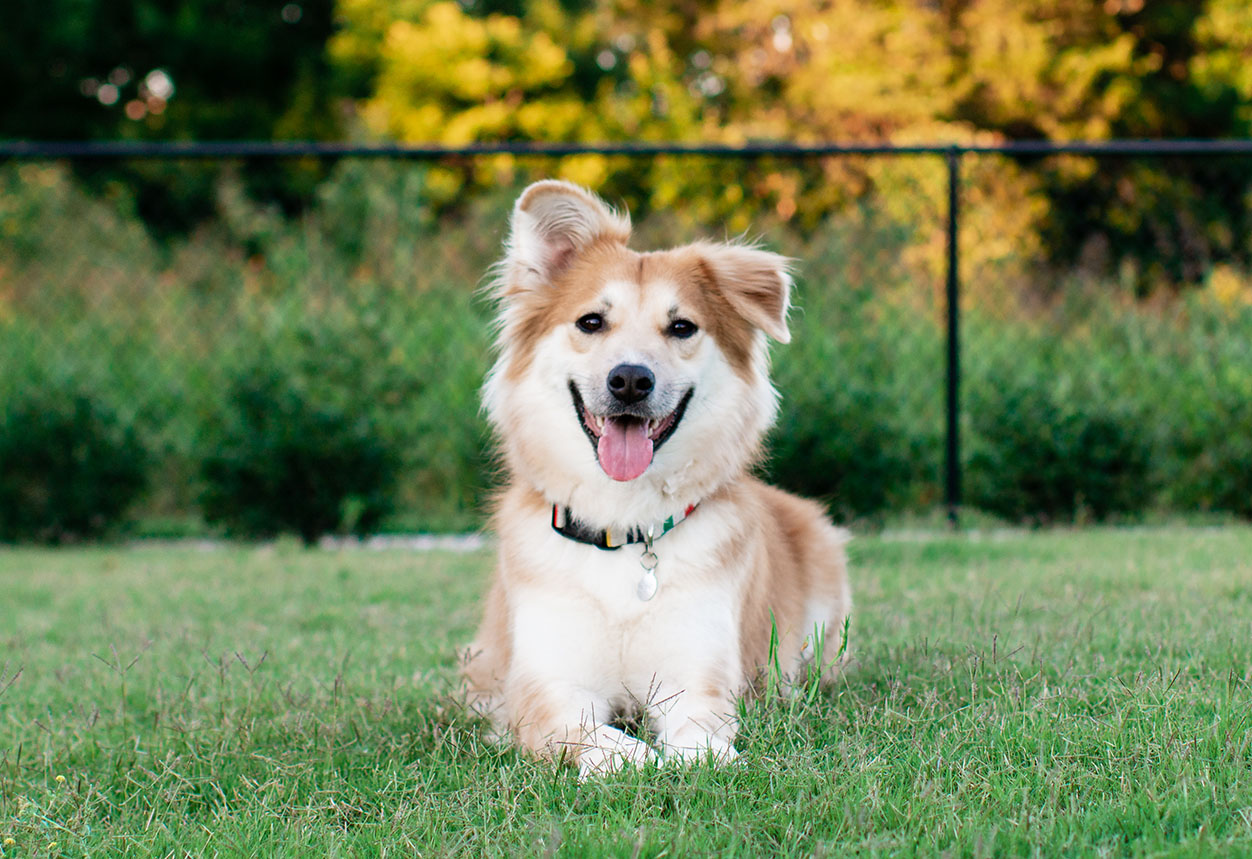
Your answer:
<point x="755" y="283"/>
<point x="552" y="222"/>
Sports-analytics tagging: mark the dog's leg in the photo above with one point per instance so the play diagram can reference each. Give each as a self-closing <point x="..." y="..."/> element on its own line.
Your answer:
<point x="607" y="749"/>
<point x="481" y="693"/>
<point x="559" y="721"/>
<point x="693" y="726"/>
<point x="484" y="664"/>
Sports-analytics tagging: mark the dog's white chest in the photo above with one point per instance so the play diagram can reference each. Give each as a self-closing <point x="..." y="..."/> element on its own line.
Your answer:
<point x="584" y="613"/>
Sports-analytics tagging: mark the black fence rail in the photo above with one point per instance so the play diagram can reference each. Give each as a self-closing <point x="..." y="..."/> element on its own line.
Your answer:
<point x="43" y="150"/>
<point x="953" y="157"/>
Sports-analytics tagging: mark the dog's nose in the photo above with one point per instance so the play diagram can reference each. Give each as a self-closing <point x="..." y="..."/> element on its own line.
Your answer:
<point x="630" y="383"/>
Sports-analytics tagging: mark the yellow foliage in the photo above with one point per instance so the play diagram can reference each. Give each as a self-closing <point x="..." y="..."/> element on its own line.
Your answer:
<point x="1228" y="288"/>
<point x="1224" y="33"/>
<point x="731" y="71"/>
<point x="451" y="78"/>
<point x="590" y="170"/>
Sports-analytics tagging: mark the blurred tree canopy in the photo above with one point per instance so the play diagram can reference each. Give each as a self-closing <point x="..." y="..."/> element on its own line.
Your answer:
<point x="850" y="70"/>
<point x="728" y="71"/>
<point x="167" y="70"/>
<point x="107" y="69"/>
<point x="900" y="70"/>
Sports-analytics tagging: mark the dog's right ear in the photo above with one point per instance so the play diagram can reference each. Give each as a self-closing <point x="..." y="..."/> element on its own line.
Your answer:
<point x="552" y="221"/>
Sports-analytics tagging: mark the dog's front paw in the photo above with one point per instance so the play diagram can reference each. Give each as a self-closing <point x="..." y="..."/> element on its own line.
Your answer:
<point x="713" y="749"/>
<point x="608" y="750"/>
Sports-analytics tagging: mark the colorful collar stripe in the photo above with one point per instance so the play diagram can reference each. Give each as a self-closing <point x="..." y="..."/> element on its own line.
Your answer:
<point x="564" y="523"/>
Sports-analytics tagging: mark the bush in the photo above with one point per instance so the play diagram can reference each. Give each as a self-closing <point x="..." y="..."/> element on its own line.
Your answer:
<point x="861" y="391"/>
<point x="302" y="443"/>
<point x="69" y="465"/>
<point x="1045" y="449"/>
<point x="366" y="313"/>
<point x="1212" y="451"/>
<point x="836" y="442"/>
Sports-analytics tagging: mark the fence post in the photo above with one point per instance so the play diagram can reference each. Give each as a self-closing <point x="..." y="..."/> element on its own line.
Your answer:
<point x="952" y="476"/>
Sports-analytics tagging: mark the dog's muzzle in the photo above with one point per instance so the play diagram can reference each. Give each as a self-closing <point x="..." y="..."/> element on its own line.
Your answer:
<point x="626" y="440"/>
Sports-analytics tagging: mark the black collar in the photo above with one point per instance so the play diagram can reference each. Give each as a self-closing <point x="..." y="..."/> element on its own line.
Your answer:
<point x="565" y="524"/>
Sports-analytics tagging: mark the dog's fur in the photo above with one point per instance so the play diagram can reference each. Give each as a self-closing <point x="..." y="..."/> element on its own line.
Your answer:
<point x="566" y="646"/>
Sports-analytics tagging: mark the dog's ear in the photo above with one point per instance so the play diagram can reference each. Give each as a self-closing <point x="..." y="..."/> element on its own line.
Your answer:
<point x="755" y="283"/>
<point x="552" y="221"/>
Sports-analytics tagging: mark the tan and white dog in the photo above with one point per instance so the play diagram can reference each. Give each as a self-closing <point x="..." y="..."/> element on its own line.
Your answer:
<point x="641" y="566"/>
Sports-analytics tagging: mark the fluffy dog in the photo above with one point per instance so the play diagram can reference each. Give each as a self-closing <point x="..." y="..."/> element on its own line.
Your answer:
<point x="642" y="568"/>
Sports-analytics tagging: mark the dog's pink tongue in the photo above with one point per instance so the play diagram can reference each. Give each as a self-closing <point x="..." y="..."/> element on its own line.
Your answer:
<point x="624" y="449"/>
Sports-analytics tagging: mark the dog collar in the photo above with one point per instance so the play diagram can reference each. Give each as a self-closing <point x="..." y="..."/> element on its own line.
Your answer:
<point x="564" y="523"/>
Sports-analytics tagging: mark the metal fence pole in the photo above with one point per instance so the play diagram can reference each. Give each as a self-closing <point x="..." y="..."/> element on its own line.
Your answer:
<point x="952" y="478"/>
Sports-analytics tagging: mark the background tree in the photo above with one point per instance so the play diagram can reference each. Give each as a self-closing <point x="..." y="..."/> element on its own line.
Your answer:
<point x="165" y="70"/>
<point x="900" y="70"/>
<point x="728" y="71"/>
<point x="84" y="69"/>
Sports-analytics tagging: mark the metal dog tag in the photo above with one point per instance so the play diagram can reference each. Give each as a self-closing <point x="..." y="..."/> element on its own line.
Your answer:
<point x="648" y="585"/>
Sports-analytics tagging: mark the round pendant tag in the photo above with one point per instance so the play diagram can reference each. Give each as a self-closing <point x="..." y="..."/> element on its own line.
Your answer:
<point x="647" y="586"/>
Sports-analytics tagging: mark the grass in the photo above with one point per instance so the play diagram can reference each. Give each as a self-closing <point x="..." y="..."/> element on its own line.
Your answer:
<point x="1053" y="693"/>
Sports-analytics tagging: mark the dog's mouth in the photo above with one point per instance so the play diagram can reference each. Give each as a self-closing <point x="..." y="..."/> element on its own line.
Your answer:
<point x="625" y="443"/>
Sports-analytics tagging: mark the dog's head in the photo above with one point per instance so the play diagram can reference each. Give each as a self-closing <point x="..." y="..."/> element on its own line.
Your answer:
<point x="629" y="381"/>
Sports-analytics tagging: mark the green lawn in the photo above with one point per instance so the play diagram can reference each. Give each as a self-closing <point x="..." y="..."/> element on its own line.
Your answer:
<point x="1059" y="693"/>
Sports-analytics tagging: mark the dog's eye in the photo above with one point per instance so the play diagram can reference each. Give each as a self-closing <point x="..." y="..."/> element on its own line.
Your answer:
<point x="682" y="328"/>
<point x="591" y="323"/>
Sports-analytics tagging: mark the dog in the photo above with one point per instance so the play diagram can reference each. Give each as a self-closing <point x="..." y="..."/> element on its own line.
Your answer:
<point x="643" y="571"/>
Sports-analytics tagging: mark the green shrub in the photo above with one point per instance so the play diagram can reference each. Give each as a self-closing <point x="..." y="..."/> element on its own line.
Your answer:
<point x="69" y="465"/>
<point x="1212" y="450"/>
<point x="303" y="442"/>
<point x="837" y="442"/>
<point x="1046" y="449"/>
<point x="360" y="321"/>
<point x="860" y="382"/>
